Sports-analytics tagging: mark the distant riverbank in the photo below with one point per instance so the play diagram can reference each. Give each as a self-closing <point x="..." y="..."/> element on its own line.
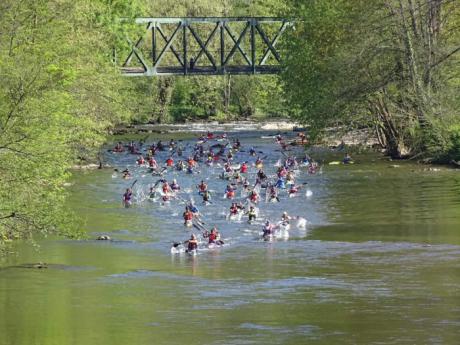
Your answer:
<point x="333" y="137"/>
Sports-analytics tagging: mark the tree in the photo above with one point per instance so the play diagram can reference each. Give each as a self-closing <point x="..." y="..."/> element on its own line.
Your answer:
<point x="386" y="64"/>
<point x="59" y="94"/>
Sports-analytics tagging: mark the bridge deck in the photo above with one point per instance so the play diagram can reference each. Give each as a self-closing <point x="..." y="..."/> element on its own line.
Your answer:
<point x="165" y="71"/>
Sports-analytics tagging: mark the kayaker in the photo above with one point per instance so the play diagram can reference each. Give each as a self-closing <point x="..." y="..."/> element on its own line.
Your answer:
<point x="293" y="190"/>
<point x="206" y="197"/>
<point x="141" y="160"/>
<point x="229" y="192"/>
<point x="213" y="236"/>
<point x="127" y="196"/>
<point x="261" y="175"/>
<point x="153" y="163"/>
<point x="166" y="188"/>
<point x="252" y="214"/>
<point x="280" y="183"/>
<point x="175" y="186"/>
<point x="233" y="209"/>
<point x="192" y="243"/>
<point x="187" y="215"/>
<point x="347" y="159"/>
<point x="268" y="229"/>
<point x="285" y="218"/>
<point x="202" y="187"/>
<point x="254" y="197"/>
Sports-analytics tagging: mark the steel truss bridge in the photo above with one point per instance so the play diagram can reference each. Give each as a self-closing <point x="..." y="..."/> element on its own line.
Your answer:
<point x="205" y="46"/>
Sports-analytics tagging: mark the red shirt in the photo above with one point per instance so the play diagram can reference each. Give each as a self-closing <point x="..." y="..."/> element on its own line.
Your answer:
<point x="212" y="237"/>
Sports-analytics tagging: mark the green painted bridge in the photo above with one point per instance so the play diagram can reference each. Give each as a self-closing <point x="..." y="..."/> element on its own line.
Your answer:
<point x="205" y="46"/>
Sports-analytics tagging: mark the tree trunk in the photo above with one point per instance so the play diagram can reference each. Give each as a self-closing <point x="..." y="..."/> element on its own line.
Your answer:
<point x="164" y="97"/>
<point x="227" y="93"/>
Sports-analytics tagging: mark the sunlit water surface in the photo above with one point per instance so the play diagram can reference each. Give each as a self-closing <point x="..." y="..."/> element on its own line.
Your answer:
<point x="379" y="263"/>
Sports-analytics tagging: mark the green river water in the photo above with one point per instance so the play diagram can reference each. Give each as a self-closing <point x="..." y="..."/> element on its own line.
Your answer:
<point x="378" y="264"/>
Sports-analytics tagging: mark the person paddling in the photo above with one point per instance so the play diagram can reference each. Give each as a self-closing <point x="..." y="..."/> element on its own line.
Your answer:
<point x="268" y="229"/>
<point x="188" y="217"/>
<point x="285" y="218"/>
<point x="229" y="192"/>
<point x="347" y="159"/>
<point x="252" y="214"/>
<point x="175" y="186"/>
<point x="213" y="237"/>
<point x="254" y="197"/>
<point x="192" y="243"/>
<point x="202" y="187"/>
<point x="127" y="196"/>
<point x="233" y="209"/>
<point x="206" y="197"/>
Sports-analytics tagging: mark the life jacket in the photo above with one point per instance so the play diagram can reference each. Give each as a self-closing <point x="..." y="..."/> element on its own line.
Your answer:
<point x="212" y="237"/>
<point x="192" y="245"/>
<point x="244" y="169"/>
<point x="268" y="229"/>
<point x="188" y="216"/>
<point x="230" y="194"/>
<point x="169" y="162"/>
<point x="253" y="197"/>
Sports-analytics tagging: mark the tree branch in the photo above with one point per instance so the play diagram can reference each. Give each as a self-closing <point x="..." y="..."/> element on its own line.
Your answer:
<point x="445" y="57"/>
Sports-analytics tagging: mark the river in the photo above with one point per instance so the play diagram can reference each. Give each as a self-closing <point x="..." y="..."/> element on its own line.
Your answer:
<point x="379" y="263"/>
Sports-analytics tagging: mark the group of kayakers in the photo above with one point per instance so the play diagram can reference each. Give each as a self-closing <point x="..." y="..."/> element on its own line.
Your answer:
<point x="243" y="194"/>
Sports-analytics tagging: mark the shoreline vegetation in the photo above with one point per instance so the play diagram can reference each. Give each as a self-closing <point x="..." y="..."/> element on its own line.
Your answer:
<point x="389" y="67"/>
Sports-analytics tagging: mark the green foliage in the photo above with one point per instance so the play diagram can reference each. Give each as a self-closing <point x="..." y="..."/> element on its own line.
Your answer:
<point x="389" y="65"/>
<point x="59" y="94"/>
<point x="200" y="98"/>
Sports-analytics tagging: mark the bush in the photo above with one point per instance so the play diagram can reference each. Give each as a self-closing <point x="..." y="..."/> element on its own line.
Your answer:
<point x="454" y="143"/>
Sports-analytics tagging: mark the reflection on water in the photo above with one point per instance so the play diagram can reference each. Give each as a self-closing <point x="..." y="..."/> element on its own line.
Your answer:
<point x="379" y="263"/>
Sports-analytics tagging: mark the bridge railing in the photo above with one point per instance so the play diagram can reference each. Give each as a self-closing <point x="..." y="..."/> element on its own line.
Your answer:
<point x="206" y="45"/>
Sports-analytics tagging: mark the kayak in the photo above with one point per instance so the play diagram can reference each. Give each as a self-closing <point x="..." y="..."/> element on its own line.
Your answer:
<point x="284" y="227"/>
<point x="178" y="250"/>
<point x="192" y="252"/>
<point x="214" y="245"/>
<point x="340" y="162"/>
<point x="236" y="216"/>
<point x="278" y="234"/>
